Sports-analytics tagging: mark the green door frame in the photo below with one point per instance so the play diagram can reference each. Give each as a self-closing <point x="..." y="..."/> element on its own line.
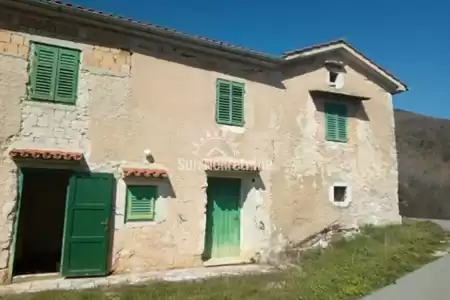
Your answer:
<point x="20" y="180"/>
<point x="12" y="249"/>
<point x="19" y="190"/>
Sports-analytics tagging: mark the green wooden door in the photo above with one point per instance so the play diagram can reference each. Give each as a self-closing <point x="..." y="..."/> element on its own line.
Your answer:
<point x="223" y="218"/>
<point x="86" y="231"/>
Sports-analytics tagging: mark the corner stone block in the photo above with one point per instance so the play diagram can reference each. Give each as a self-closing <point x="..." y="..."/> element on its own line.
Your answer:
<point x="23" y="51"/>
<point x="5" y="36"/>
<point x="17" y="39"/>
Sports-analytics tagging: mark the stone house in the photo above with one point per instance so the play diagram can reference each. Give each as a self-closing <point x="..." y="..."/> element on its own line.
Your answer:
<point x="129" y="147"/>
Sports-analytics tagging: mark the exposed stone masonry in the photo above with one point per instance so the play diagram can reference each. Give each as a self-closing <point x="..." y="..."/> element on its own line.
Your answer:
<point x="53" y="126"/>
<point x="13" y="43"/>
<point x="33" y="124"/>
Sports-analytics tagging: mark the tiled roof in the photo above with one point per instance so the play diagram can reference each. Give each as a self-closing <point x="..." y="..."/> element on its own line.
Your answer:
<point x="224" y="164"/>
<point x="142" y="172"/>
<point x="129" y="23"/>
<point x="46" y="154"/>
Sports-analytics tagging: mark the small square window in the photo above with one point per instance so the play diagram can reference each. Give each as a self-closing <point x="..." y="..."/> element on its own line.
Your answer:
<point x="140" y="203"/>
<point x="336" y="78"/>
<point x="340" y="194"/>
<point x="332" y="77"/>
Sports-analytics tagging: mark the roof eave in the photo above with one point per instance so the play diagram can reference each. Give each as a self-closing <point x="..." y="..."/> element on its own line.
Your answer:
<point x="108" y="21"/>
<point x="214" y="47"/>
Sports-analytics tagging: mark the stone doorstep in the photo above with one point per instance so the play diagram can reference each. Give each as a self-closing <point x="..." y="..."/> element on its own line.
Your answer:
<point x="176" y="275"/>
<point x="35" y="277"/>
<point x="216" y="262"/>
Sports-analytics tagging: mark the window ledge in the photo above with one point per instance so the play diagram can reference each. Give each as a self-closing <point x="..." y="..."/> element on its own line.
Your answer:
<point x="232" y="128"/>
<point x="139" y="224"/>
<point x="57" y="105"/>
<point x="337" y="141"/>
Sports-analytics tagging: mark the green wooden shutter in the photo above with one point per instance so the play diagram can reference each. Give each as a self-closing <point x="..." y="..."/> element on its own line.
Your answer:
<point x="67" y="75"/>
<point x="229" y="103"/>
<point x="342" y="124"/>
<point x="237" y="104"/>
<point x="141" y="203"/>
<point x="223" y="102"/>
<point x="44" y="66"/>
<point x="336" y="122"/>
<point x="330" y="122"/>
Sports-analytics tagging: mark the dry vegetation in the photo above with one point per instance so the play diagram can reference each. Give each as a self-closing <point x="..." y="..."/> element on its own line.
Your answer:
<point x="423" y="145"/>
<point x="346" y="270"/>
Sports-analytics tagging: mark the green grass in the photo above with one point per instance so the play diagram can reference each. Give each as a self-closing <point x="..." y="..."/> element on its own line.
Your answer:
<point x="346" y="270"/>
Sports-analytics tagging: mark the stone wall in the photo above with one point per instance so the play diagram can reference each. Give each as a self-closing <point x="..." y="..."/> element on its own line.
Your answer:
<point x="30" y="124"/>
<point x="309" y="165"/>
<point x="13" y="44"/>
<point x="58" y="125"/>
<point x="12" y="76"/>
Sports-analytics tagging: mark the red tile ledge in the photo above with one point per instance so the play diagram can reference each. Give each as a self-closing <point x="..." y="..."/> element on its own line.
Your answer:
<point x="141" y="172"/>
<point x="46" y="154"/>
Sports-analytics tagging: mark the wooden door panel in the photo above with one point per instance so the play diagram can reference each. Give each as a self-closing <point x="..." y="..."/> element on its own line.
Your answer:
<point x="223" y="217"/>
<point x="87" y="230"/>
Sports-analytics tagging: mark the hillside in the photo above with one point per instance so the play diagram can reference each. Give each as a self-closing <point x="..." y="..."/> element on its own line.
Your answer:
<point x="423" y="145"/>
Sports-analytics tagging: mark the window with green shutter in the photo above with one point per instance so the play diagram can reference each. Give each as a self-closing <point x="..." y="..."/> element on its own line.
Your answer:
<point x="54" y="74"/>
<point x="141" y="203"/>
<point x="230" y="102"/>
<point x="336" y="122"/>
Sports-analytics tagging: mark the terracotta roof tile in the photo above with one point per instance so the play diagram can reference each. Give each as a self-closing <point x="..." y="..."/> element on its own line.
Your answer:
<point x="231" y="165"/>
<point x="141" y="172"/>
<point x="46" y="154"/>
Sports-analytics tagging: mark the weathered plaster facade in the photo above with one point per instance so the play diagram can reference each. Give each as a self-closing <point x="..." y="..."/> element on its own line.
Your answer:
<point x="161" y="97"/>
<point x="367" y="162"/>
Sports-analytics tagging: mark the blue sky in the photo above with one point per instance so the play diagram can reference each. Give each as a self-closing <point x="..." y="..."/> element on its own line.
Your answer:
<point x="409" y="38"/>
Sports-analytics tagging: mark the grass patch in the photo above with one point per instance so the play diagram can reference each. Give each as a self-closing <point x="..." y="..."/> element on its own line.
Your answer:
<point x="346" y="270"/>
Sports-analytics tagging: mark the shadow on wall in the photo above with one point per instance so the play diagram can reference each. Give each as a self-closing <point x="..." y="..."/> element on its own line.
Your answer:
<point x="209" y="62"/>
<point x="59" y="27"/>
<point x="355" y="107"/>
<point x="255" y="183"/>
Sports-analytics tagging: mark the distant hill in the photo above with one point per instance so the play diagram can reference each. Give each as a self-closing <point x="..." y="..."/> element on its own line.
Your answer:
<point x="423" y="145"/>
